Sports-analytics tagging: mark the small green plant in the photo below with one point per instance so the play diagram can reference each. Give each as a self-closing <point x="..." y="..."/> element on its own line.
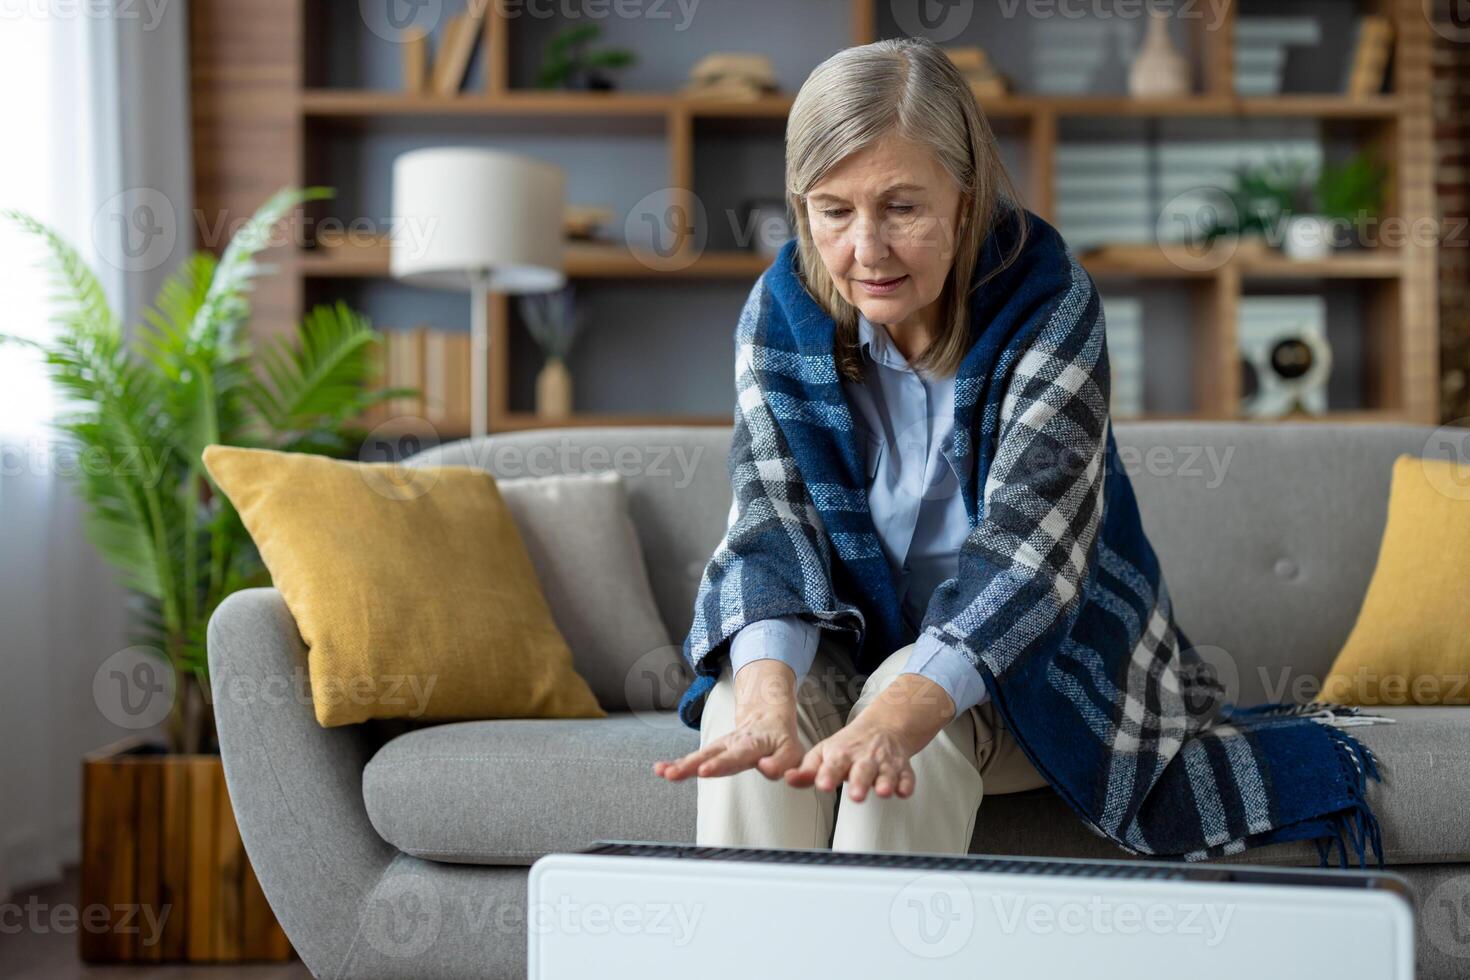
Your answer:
<point x="1353" y="190"/>
<point x="553" y="321"/>
<point x="1261" y="196"/>
<point x="145" y="405"/>
<point x="569" y="64"/>
<point x="1264" y="195"/>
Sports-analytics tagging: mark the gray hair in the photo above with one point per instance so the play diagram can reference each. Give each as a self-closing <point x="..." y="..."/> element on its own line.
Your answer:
<point x="907" y="87"/>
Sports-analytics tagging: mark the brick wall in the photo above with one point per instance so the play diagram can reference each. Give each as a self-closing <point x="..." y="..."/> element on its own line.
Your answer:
<point x="1452" y="178"/>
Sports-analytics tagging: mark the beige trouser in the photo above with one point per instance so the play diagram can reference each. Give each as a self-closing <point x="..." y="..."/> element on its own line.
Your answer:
<point x="973" y="755"/>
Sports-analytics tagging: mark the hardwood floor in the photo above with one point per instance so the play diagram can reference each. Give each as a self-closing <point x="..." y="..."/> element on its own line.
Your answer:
<point x="48" y="953"/>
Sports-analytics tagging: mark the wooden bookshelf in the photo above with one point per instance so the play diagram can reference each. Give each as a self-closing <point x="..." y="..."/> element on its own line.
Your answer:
<point x="257" y="116"/>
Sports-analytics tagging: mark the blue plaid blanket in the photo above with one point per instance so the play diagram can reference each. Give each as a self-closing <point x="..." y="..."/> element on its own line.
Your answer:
<point x="1059" y="603"/>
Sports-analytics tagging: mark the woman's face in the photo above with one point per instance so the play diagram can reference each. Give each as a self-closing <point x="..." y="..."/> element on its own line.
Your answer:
<point x="884" y="221"/>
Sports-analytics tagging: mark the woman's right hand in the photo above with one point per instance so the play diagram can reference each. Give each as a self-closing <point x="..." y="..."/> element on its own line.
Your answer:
<point x="764" y="736"/>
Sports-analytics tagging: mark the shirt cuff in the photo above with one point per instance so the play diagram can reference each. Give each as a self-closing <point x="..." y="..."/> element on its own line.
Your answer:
<point x="947" y="667"/>
<point x="789" y="639"/>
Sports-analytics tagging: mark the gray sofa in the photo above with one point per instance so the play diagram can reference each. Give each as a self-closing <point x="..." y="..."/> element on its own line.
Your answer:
<point x="1267" y="533"/>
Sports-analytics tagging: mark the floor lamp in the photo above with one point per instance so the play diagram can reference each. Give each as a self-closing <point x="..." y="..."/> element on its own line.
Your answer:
<point x="483" y="220"/>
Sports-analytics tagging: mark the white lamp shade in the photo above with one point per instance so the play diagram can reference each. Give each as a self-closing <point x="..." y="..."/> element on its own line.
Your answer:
<point x="462" y="212"/>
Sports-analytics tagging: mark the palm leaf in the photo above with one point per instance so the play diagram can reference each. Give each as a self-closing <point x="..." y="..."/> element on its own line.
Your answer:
<point x="224" y="306"/>
<point x="318" y="384"/>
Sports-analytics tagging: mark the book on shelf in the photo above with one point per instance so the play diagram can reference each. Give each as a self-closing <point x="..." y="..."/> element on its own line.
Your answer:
<point x="436" y="365"/>
<point x="1371" y="51"/>
<point x="415" y="43"/>
<point x="456" y="47"/>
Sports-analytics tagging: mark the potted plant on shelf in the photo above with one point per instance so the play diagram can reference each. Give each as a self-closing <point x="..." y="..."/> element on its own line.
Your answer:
<point x="1351" y="193"/>
<point x="1261" y="197"/>
<point x="569" y="64"/>
<point x="554" y="322"/>
<point x="1279" y="203"/>
<point x="159" y="839"/>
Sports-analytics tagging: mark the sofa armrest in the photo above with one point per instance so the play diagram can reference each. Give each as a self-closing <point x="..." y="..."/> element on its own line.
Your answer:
<point x="296" y="787"/>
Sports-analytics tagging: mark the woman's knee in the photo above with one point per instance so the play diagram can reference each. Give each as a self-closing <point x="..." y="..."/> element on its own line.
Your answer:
<point x="887" y="672"/>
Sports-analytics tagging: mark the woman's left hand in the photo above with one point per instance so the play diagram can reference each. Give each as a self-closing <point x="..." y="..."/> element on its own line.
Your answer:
<point x="872" y="751"/>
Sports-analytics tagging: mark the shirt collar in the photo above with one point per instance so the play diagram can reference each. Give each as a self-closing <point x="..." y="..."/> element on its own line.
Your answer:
<point x="877" y="346"/>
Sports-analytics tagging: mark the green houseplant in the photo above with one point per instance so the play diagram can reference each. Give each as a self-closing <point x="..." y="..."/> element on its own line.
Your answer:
<point x="569" y="63"/>
<point x="158" y="835"/>
<point x="144" y="407"/>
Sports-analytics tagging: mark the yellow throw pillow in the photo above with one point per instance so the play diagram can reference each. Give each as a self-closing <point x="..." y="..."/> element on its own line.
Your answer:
<point x="411" y="587"/>
<point x="1411" y="643"/>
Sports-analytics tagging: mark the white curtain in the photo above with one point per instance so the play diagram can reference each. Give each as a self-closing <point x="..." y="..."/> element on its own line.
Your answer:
<point x="95" y="110"/>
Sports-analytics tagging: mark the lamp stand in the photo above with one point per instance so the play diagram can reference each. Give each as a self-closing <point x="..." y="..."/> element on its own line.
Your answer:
<point x="479" y="352"/>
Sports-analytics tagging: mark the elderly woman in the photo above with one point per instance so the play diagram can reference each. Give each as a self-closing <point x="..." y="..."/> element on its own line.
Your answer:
<point x="934" y="583"/>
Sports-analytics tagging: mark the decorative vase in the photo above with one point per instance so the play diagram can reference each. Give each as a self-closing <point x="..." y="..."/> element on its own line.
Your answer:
<point x="1159" y="70"/>
<point x="554" y="390"/>
<point x="1307" y="236"/>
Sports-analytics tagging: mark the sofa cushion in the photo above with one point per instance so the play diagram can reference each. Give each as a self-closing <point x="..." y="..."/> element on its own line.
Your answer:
<point x="587" y="557"/>
<point x="507" y="792"/>
<point x="1411" y="643"/>
<point x="411" y="588"/>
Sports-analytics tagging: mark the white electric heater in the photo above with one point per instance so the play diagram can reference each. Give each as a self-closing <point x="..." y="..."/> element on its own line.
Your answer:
<point x="631" y="911"/>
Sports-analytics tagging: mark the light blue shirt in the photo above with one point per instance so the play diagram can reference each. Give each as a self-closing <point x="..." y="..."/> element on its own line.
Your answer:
<point x="907" y="422"/>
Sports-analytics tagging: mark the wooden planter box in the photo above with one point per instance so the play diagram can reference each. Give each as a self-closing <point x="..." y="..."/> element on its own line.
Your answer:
<point x="162" y="856"/>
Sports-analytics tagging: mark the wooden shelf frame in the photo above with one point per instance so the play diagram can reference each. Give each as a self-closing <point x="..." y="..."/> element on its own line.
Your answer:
<point x="255" y="119"/>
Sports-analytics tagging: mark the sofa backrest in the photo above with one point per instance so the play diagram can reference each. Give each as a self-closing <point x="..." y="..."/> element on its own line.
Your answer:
<point x="1267" y="534"/>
